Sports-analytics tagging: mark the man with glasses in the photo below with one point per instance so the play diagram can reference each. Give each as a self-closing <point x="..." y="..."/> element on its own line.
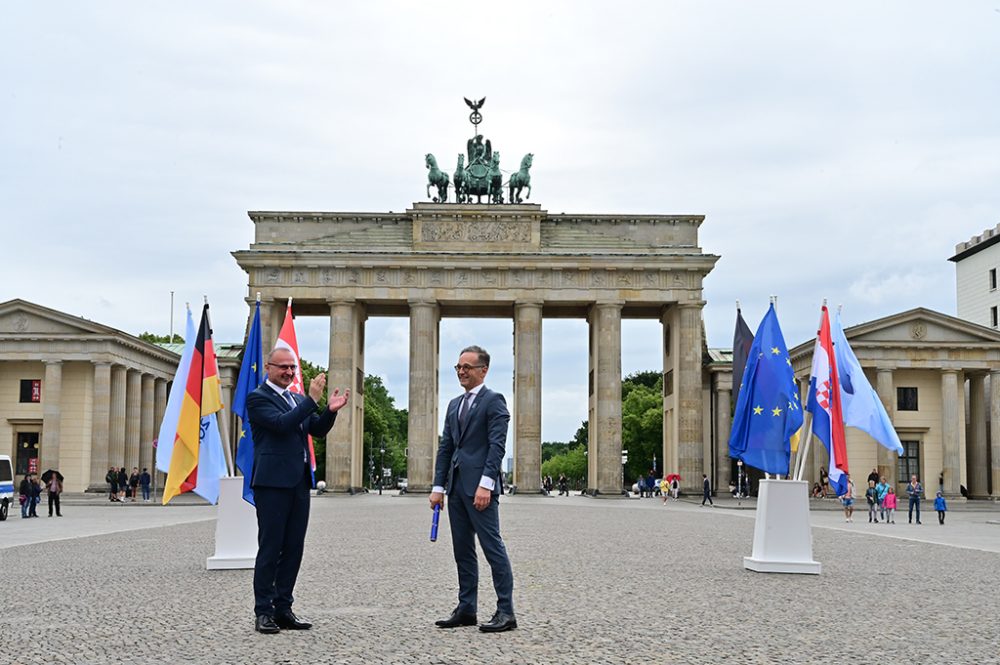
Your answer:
<point x="281" y="422"/>
<point x="468" y="470"/>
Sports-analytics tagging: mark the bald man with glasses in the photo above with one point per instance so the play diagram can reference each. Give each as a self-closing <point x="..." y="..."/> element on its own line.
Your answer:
<point x="281" y="422"/>
<point x="467" y="469"/>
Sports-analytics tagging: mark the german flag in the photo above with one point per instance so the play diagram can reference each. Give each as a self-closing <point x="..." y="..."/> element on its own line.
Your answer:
<point x="202" y="398"/>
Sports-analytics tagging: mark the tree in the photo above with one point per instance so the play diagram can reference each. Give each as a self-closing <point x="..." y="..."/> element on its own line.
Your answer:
<point x="384" y="424"/>
<point x="573" y="463"/>
<point x="642" y="423"/>
<point x="309" y="372"/>
<point x="160" y="339"/>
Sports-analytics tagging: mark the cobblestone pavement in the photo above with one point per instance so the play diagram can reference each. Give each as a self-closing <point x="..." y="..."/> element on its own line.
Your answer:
<point x="596" y="581"/>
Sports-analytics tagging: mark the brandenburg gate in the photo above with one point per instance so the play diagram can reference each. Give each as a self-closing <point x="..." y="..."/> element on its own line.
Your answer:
<point x="494" y="259"/>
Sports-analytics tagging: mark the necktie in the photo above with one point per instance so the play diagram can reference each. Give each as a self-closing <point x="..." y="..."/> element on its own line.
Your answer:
<point x="288" y="398"/>
<point x="463" y="413"/>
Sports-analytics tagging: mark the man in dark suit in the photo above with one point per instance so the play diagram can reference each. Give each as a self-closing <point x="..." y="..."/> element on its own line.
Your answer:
<point x="468" y="470"/>
<point x="281" y="479"/>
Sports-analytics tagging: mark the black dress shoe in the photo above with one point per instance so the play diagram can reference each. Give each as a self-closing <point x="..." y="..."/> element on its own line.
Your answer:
<point x="289" y="621"/>
<point x="457" y="619"/>
<point x="499" y="623"/>
<point x="265" y="624"/>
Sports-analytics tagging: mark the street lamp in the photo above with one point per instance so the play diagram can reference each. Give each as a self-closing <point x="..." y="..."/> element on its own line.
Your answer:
<point x="381" y="463"/>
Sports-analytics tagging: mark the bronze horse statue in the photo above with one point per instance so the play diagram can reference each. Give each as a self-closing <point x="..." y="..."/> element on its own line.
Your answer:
<point x="436" y="178"/>
<point x="461" y="180"/>
<point x="520" y="180"/>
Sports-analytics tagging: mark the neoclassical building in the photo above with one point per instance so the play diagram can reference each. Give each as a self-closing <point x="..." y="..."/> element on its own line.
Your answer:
<point x="79" y="396"/>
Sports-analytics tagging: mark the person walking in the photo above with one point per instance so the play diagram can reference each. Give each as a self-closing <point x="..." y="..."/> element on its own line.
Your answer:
<point x="133" y="484"/>
<point x="824" y="480"/>
<point x="871" y="498"/>
<point x="122" y="484"/>
<point x="36" y="496"/>
<point x="55" y="488"/>
<point x="24" y="495"/>
<point x="467" y="469"/>
<point x="675" y="488"/>
<point x="915" y="491"/>
<point x="144" y="481"/>
<point x="706" y="490"/>
<point x="281" y="478"/>
<point x="111" y="478"/>
<point x="563" y="484"/>
<point x="847" y="498"/>
<point x="883" y="489"/>
<point x="941" y="507"/>
<point x="890" y="506"/>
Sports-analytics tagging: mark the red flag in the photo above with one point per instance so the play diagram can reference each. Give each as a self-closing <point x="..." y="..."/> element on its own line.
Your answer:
<point x="286" y="340"/>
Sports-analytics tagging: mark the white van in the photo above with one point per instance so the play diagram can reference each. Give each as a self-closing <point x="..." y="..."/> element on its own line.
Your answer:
<point x="6" y="485"/>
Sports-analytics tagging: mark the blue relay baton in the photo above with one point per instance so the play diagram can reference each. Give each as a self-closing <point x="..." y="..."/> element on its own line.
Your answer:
<point x="434" y="522"/>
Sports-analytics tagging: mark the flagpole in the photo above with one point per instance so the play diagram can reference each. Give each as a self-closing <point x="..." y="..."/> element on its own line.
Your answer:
<point x="221" y="422"/>
<point x="808" y="442"/>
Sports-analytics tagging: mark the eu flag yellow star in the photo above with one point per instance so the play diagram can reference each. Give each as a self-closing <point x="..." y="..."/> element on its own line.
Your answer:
<point x="775" y="350"/>
<point x="757" y="411"/>
<point x="776" y="411"/>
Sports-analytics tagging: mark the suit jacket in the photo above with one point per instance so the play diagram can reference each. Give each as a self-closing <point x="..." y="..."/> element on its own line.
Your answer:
<point x="478" y="449"/>
<point x="280" y="435"/>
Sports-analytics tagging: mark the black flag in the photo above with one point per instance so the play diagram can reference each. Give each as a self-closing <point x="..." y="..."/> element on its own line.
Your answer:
<point x="742" y="340"/>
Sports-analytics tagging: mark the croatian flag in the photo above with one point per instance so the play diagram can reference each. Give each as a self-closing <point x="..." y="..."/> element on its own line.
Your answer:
<point x="287" y="340"/>
<point x="825" y="407"/>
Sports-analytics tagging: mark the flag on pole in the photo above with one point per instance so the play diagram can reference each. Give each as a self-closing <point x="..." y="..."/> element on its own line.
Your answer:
<point x="742" y="341"/>
<point x="196" y="425"/>
<point x="251" y="376"/>
<point x="862" y="407"/>
<point x="768" y="413"/>
<point x="824" y="404"/>
<point x="168" y="426"/>
<point x="286" y="340"/>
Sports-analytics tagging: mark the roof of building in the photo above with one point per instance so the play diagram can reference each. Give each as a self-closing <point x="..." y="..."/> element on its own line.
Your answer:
<point x="978" y="243"/>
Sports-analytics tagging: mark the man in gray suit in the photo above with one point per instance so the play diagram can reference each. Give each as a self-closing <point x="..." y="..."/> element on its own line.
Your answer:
<point x="468" y="470"/>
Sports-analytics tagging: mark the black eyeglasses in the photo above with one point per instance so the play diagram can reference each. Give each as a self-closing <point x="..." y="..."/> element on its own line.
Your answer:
<point x="285" y="368"/>
<point x="467" y="368"/>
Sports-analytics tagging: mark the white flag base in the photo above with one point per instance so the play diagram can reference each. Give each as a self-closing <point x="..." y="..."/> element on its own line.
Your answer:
<point x="235" y="529"/>
<point x="782" y="537"/>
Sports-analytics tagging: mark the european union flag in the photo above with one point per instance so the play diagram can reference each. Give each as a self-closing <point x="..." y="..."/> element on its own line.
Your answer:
<point x="251" y="376"/>
<point x="768" y="412"/>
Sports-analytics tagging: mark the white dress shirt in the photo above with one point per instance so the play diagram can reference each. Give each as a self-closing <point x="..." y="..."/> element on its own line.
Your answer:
<point x="488" y="483"/>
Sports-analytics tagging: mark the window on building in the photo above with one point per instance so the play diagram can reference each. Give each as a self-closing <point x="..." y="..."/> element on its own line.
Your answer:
<point x="906" y="399"/>
<point x="31" y="390"/>
<point x="908" y="463"/>
<point x="993" y="279"/>
<point x="993" y="316"/>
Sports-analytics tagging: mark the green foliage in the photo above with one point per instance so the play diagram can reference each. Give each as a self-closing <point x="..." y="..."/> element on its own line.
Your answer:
<point x="160" y="339"/>
<point x="642" y="423"/>
<point x="309" y="372"/>
<point x="552" y="448"/>
<point x="573" y="463"/>
<point x="384" y="425"/>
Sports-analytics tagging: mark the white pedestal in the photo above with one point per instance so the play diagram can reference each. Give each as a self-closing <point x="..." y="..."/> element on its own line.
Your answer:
<point x="782" y="537"/>
<point x="235" y="529"/>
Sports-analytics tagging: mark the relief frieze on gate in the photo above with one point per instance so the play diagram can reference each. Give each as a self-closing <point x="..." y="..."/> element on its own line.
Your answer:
<point x="477" y="278"/>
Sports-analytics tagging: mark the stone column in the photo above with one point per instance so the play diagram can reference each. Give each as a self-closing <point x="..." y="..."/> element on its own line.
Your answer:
<point x="344" y="442"/>
<point x="100" y="420"/>
<point x="528" y="396"/>
<point x="277" y="313"/>
<point x="116" y="429"/>
<point x="422" y="433"/>
<point x="885" y="458"/>
<point x="977" y="449"/>
<point x="951" y="401"/>
<point x="51" y="415"/>
<point x="995" y="433"/>
<point x="146" y="417"/>
<point x="605" y="409"/>
<point x="688" y="391"/>
<point x="723" y="425"/>
<point x="159" y="408"/>
<point x="268" y="331"/>
<point x="133" y="418"/>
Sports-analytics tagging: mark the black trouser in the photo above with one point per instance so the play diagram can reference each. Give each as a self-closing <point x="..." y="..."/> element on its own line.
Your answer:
<point x="914" y="503"/>
<point x="54" y="498"/>
<point x="282" y="519"/>
<point x="707" y="496"/>
<point x="941" y="516"/>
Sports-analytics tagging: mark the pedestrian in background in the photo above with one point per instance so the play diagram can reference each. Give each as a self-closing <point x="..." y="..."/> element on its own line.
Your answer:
<point x="144" y="480"/>
<point x="706" y="490"/>
<point x="112" y="480"/>
<point x="24" y="496"/>
<point x="941" y="507"/>
<point x="890" y="506"/>
<point x="871" y="497"/>
<point x="133" y="483"/>
<point x="883" y="489"/>
<point x="122" y="484"/>
<point x="55" y="488"/>
<point x="915" y="491"/>
<point x="847" y="498"/>
<point x="36" y="496"/>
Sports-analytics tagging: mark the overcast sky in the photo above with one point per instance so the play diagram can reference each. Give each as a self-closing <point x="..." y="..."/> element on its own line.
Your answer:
<point x="839" y="150"/>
